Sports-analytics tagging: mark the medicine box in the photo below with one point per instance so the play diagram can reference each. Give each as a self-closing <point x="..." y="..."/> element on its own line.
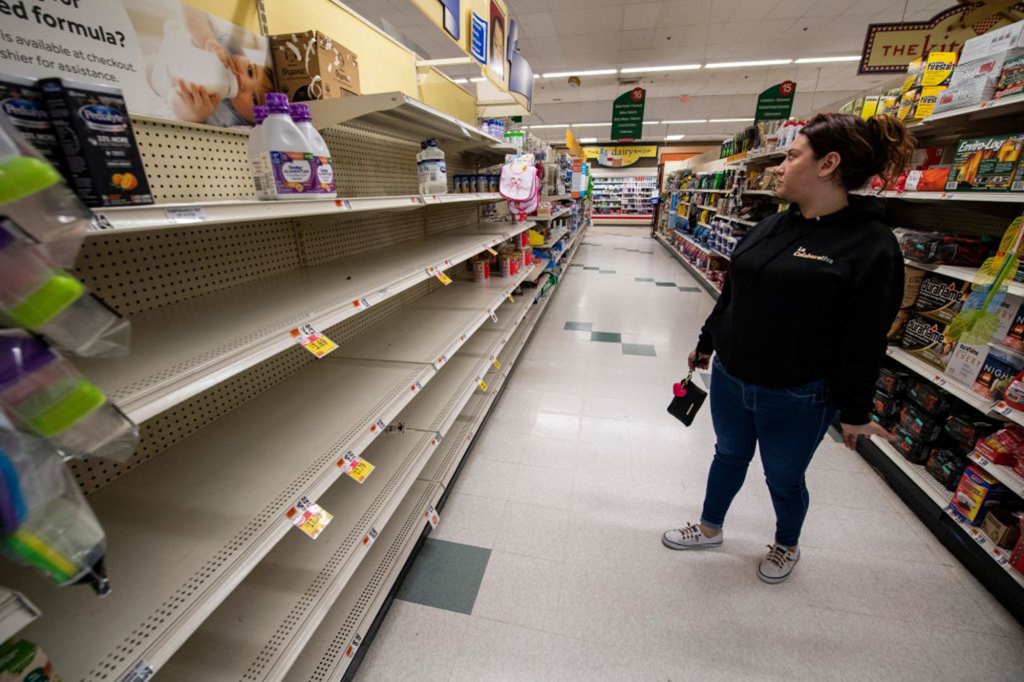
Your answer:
<point x="102" y="161"/>
<point x="976" y="493"/>
<point x="311" y="66"/>
<point x="988" y="164"/>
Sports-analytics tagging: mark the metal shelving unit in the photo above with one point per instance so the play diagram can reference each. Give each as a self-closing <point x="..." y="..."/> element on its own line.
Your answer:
<point x="962" y="273"/>
<point x="693" y="270"/>
<point x="1006" y="475"/>
<point x="16" y="612"/>
<point x="183" y="349"/>
<point x="164" y="216"/>
<point x="560" y="213"/>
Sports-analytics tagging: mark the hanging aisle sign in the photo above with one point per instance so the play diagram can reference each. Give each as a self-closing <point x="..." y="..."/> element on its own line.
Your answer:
<point x="478" y="38"/>
<point x="776" y="103"/>
<point x="628" y="115"/>
<point x="888" y="48"/>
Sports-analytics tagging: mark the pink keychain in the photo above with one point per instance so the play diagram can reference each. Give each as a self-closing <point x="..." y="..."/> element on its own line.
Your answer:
<point x="678" y="390"/>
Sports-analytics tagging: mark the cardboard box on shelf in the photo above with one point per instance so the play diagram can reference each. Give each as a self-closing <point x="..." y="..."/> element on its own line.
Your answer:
<point x="1011" y="78"/>
<point x="938" y="68"/>
<point x="310" y="66"/>
<point x="925" y="339"/>
<point x="988" y="164"/>
<point x="976" y="493"/>
<point x="940" y="297"/>
<point x="913" y="78"/>
<point x="908" y="103"/>
<point x="1002" y="527"/>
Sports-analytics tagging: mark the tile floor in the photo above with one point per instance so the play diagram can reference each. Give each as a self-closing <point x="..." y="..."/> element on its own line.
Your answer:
<point x="548" y="564"/>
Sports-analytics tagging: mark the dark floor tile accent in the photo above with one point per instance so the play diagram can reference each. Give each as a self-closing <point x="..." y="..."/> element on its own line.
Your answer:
<point x="446" y="575"/>
<point x="606" y="337"/>
<point x="578" y="326"/>
<point x="606" y="272"/>
<point x="665" y="284"/>
<point x="588" y="267"/>
<point x="638" y="349"/>
<point x="689" y="290"/>
<point x="643" y="279"/>
<point x="706" y="378"/>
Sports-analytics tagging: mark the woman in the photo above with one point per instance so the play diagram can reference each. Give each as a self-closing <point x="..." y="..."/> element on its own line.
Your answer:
<point x="800" y="327"/>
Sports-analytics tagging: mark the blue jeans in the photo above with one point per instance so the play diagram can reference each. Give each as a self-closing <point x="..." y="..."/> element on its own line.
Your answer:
<point x="788" y="424"/>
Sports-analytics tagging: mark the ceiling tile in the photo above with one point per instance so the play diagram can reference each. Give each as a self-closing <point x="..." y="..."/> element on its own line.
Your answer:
<point x="684" y="13"/>
<point x="536" y="25"/>
<point x="637" y="40"/>
<point x="593" y="20"/>
<point x="792" y="9"/>
<point x="749" y="10"/>
<point x="642" y="16"/>
<point x="721" y="10"/>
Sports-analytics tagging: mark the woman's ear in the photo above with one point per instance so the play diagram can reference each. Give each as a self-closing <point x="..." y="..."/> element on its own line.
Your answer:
<point x="829" y="164"/>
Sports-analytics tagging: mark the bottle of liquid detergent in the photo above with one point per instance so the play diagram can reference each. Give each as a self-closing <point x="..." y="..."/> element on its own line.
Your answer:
<point x="324" y="167"/>
<point x="288" y="164"/>
<point x="433" y="172"/>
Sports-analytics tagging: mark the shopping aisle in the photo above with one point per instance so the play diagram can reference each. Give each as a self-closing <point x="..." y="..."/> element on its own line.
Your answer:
<point x="548" y="562"/>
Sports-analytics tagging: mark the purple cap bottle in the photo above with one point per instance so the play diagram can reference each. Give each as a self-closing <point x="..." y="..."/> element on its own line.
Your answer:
<point x="277" y="103"/>
<point x="260" y="113"/>
<point x="300" y="113"/>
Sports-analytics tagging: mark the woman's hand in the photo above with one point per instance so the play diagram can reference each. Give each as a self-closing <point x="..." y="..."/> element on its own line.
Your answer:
<point x="698" y="360"/>
<point x="852" y="433"/>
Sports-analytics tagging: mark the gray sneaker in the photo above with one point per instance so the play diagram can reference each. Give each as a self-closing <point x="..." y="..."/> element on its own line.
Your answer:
<point x="777" y="566"/>
<point x="690" y="537"/>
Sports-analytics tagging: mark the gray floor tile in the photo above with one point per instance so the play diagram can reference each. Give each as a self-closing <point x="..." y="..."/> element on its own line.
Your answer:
<point x="591" y="267"/>
<point x="606" y="337"/>
<point x="446" y="575"/>
<point x="665" y="284"/>
<point x="690" y="290"/>
<point x="643" y="279"/>
<point x="579" y="326"/>
<point x="638" y="349"/>
<point x="606" y="272"/>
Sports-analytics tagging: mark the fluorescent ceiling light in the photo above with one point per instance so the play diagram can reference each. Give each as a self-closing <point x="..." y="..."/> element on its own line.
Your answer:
<point x="692" y="120"/>
<point x="651" y="123"/>
<point x="460" y="80"/>
<point x="481" y="79"/>
<point x="762" y="62"/>
<point x="589" y="125"/>
<point x="549" y="125"/>
<point x="730" y="120"/>
<point x="822" y="60"/>
<point x="674" y="137"/>
<point x="648" y="69"/>
<point x="585" y="140"/>
<point x="594" y="72"/>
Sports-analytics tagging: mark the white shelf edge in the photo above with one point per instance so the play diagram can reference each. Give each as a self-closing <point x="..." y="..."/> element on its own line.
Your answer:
<point x="554" y="216"/>
<point x="16" y="612"/>
<point x="173" y="215"/>
<point x="693" y="270"/>
<point x="997" y="554"/>
<point x="963" y="273"/>
<point x="991" y="197"/>
<point x="1006" y="475"/>
<point x="932" y="488"/>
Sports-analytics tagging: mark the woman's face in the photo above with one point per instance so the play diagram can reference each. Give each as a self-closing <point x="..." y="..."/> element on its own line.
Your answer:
<point x="801" y="175"/>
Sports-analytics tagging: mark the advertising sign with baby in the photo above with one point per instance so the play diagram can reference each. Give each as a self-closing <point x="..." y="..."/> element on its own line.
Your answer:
<point x="169" y="60"/>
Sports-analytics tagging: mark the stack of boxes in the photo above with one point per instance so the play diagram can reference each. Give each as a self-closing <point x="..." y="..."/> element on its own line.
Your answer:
<point x="926" y="80"/>
<point x="977" y="77"/>
<point x="311" y="66"/>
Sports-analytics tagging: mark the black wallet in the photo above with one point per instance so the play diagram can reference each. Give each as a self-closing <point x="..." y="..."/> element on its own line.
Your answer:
<point x="685" y="407"/>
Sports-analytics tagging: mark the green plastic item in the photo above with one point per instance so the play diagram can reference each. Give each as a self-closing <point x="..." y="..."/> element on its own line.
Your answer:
<point x="46" y="302"/>
<point x="71" y="406"/>
<point x="21" y="176"/>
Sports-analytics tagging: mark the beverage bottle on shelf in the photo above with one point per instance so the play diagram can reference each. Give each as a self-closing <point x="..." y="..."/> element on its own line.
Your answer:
<point x="45" y="521"/>
<point x="45" y="395"/>
<point x="288" y="163"/>
<point x="38" y="295"/>
<point x="432" y="170"/>
<point x="257" y="147"/>
<point x="325" y="184"/>
<point x="33" y="196"/>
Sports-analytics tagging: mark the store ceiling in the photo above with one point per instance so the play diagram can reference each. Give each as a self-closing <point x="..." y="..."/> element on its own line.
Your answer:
<point x="568" y="35"/>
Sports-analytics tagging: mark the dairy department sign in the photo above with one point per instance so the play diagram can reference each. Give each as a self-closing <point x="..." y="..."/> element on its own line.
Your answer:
<point x="888" y="48"/>
<point x="619" y="157"/>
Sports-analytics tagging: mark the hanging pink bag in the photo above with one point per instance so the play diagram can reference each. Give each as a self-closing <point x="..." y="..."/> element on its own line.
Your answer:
<point x="520" y="187"/>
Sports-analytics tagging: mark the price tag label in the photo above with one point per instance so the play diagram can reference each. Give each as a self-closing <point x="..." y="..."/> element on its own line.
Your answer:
<point x="309" y="338"/>
<point x="492" y="251"/>
<point x="436" y="440"/>
<point x="343" y="204"/>
<point x="510" y="299"/>
<point x="980" y="459"/>
<point x="443" y="278"/>
<point x="946" y="195"/>
<point x="1003" y="409"/>
<point x="360" y="471"/>
<point x="378" y="425"/>
<point x="496" y="362"/>
<point x="310" y="518"/>
<point x="370" y="538"/>
<point x="361" y="303"/>
<point x="443" y="359"/>
<point x="432" y="517"/>
<point x="184" y="215"/>
<point x="889" y="351"/>
<point x="348" y="461"/>
<point x="99" y="223"/>
<point x="354" y="646"/>
<point x="416" y="387"/>
<point x="494" y="317"/>
<point x="417" y="200"/>
<point x="483" y="385"/>
<point x="939" y="380"/>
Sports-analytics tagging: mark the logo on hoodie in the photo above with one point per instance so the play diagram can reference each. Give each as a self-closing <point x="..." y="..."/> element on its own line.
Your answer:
<point x="804" y="253"/>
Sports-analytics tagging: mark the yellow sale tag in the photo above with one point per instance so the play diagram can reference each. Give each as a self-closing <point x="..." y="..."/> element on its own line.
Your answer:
<point x="510" y="299"/>
<point x="309" y="338"/>
<point x="483" y="385"/>
<point x="445" y="279"/>
<point x="310" y="518"/>
<point x="361" y="470"/>
<point x="496" y="363"/>
<point x="492" y="252"/>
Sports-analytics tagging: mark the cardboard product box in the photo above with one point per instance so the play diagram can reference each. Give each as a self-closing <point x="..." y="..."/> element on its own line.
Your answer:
<point x="984" y="68"/>
<point x="969" y="94"/>
<point x="938" y="68"/>
<point x="930" y="398"/>
<point x="915" y="70"/>
<point x="1002" y="527"/>
<point x="1015" y="335"/>
<point x="940" y="297"/>
<point x="311" y="66"/>
<point x="1011" y="78"/>
<point x="925" y="339"/>
<point x="976" y="493"/>
<point x="22" y="102"/>
<point x="102" y="161"/>
<point x="913" y="448"/>
<point x="990" y="164"/>
<point x="870" y="108"/>
<point x="996" y="373"/>
<point x="23" y="661"/>
<point x="908" y="103"/>
<point x="889" y="105"/>
<point x="946" y="466"/>
<point x="926" y="102"/>
<point x="916" y="421"/>
<point x="998" y="41"/>
<point x="893" y="382"/>
<point x="1003" y="446"/>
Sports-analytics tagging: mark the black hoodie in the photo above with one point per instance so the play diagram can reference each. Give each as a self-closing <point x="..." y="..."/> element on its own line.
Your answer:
<point x="809" y="299"/>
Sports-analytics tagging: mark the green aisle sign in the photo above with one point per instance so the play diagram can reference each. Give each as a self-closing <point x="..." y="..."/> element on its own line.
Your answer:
<point x="628" y="115"/>
<point x="776" y="103"/>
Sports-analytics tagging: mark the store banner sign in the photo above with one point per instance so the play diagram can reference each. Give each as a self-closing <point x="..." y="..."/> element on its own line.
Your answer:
<point x="620" y="157"/>
<point x="888" y="48"/>
<point x="158" y="52"/>
<point x="776" y="103"/>
<point x="478" y="39"/>
<point x="628" y="115"/>
<point x="574" y="147"/>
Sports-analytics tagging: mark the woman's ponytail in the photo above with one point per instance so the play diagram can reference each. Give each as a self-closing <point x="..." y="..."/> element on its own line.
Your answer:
<point x="894" y="144"/>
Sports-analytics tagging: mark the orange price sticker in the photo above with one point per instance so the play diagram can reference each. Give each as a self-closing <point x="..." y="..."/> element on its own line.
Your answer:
<point x="312" y="340"/>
